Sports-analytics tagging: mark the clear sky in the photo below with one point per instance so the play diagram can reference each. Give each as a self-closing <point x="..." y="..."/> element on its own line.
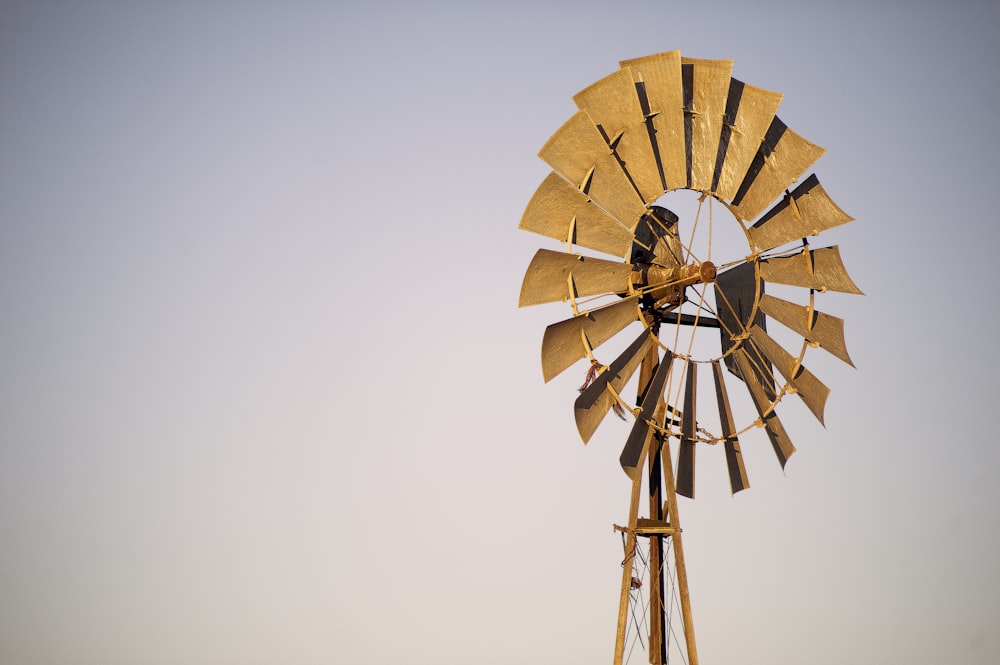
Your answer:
<point x="266" y="395"/>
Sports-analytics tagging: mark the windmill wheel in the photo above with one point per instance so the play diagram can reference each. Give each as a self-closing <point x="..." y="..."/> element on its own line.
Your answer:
<point x="702" y="283"/>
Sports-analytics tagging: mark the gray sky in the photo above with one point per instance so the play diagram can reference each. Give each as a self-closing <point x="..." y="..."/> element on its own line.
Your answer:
<point x="266" y="395"/>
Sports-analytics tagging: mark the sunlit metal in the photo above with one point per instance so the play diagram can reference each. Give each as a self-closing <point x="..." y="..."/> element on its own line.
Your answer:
<point x="661" y="123"/>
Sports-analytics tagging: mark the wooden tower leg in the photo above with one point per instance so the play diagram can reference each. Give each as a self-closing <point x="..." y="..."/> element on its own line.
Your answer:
<point x="649" y="365"/>
<point x="626" y="590"/>
<point x="679" y="567"/>
<point x="660" y="480"/>
<point x="657" y="620"/>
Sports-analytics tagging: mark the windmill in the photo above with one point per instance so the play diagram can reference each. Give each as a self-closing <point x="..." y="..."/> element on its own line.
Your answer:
<point x="708" y="364"/>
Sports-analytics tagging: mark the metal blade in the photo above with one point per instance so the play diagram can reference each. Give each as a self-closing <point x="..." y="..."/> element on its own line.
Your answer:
<point x="658" y="77"/>
<point x="706" y="89"/>
<point x="735" y="294"/>
<point x="782" y="445"/>
<point x="819" y="269"/>
<point x="820" y="328"/>
<point x="613" y="106"/>
<point x="561" y="211"/>
<point x="812" y="391"/>
<point x="579" y="152"/>
<point x="749" y="111"/>
<point x="734" y="457"/>
<point x="549" y="276"/>
<point x="632" y="452"/>
<point x="596" y="400"/>
<point x="563" y="343"/>
<point x="805" y="212"/>
<point x="689" y="435"/>
<point x="782" y="157"/>
<point x="657" y="240"/>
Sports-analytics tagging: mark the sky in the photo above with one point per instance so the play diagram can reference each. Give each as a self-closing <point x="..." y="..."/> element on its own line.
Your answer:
<point x="266" y="394"/>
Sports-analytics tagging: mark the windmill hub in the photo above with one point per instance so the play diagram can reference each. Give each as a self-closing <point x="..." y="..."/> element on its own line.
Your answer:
<point x="665" y="285"/>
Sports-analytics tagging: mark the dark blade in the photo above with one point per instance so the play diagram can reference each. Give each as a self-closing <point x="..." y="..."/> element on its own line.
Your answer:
<point x="594" y="402"/>
<point x="632" y="452"/>
<point x="817" y="327"/>
<point x="736" y="291"/>
<point x="812" y="391"/>
<point x="561" y="211"/>
<point x="563" y="342"/>
<point x="782" y="445"/>
<point x="819" y="269"/>
<point x="551" y="274"/>
<point x="657" y="240"/>
<point x="734" y="457"/>
<point x="735" y="295"/>
<point x="579" y="152"/>
<point x="689" y="435"/>
<point x="805" y="212"/>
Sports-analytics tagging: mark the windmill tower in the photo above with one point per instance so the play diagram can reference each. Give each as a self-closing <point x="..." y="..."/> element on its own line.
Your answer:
<point x="695" y="284"/>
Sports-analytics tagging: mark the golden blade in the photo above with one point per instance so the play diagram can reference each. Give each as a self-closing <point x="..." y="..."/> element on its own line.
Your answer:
<point x="782" y="157"/>
<point x="594" y="402"/>
<point x="579" y="152"/>
<point x="805" y="212"/>
<point x="689" y="435"/>
<point x="706" y="89"/>
<point x="659" y="78"/>
<point x="613" y="106"/>
<point x="734" y="456"/>
<point x="812" y="391"/>
<point x="782" y="445"/>
<point x="820" y="328"/>
<point x="561" y="211"/>
<point x="749" y="112"/>
<point x="566" y="342"/>
<point x="548" y="277"/>
<point x="631" y="456"/>
<point x="819" y="269"/>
